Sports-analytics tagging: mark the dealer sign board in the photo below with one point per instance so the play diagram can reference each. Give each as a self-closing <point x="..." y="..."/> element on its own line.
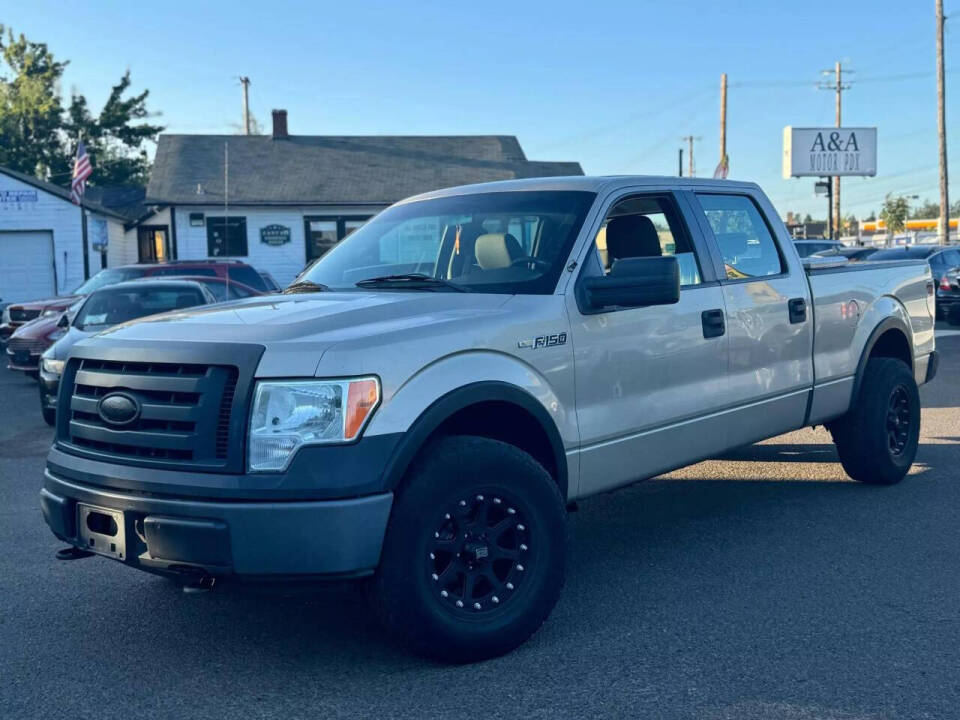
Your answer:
<point x="819" y="152"/>
<point x="275" y="235"/>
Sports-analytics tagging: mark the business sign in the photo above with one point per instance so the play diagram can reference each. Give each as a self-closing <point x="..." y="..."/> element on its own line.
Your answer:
<point x="275" y="234"/>
<point x="820" y="152"/>
<point x="18" y="196"/>
<point x="99" y="235"/>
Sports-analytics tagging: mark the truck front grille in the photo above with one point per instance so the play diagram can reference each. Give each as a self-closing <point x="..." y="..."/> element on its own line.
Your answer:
<point x="24" y="345"/>
<point x="22" y="315"/>
<point x="184" y="418"/>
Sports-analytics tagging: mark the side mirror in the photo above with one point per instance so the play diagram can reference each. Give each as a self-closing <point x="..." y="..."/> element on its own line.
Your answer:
<point x="633" y="282"/>
<point x="64" y="321"/>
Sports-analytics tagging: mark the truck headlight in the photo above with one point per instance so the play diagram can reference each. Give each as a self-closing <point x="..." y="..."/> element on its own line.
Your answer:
<point x="53" y="367"/>
<point x="288" y="414"/>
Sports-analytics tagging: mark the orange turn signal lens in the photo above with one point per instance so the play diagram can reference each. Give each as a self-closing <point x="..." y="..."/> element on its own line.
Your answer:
<point x="362" y="398"/>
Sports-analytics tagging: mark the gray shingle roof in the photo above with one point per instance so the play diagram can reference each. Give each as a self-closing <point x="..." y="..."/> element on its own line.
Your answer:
<point x="329" y="170"/>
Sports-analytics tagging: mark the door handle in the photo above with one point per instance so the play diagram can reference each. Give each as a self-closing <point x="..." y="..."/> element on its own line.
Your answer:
<point x="798" y="310"/>
<point x="714" y="324"/>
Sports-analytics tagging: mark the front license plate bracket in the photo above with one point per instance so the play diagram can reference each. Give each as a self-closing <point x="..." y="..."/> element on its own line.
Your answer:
<point x="101" y="530"/>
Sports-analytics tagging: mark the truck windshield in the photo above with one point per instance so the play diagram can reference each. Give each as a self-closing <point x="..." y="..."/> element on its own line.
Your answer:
<point x="495" y="242"/>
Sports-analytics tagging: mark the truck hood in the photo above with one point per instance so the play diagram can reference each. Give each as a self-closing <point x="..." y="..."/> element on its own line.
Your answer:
<point x="297" y="329"/>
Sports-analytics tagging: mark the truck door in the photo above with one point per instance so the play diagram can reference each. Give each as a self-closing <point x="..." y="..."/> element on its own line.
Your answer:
<point x="769" y="315"/>
<point x="648" y="378"/>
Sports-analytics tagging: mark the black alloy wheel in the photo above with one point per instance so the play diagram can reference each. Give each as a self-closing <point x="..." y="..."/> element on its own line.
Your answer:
<point x="480" y="554"/>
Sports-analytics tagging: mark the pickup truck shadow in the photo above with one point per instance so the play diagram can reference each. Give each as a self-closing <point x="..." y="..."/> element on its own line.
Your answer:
<point x="928" y="453"/>
<point x="690" y="535"/>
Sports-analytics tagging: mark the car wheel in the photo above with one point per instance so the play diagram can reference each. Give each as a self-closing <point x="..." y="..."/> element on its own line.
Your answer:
<point x="878" y="437"/>
<point x="474" y="556"/>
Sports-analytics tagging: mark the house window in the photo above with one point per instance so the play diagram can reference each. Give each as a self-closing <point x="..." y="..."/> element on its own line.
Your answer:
<point x="322" y="233"/>
<point x="226" y="236"/>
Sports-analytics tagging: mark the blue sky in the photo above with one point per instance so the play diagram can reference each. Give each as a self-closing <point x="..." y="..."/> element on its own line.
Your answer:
<point x="613" y="85"/>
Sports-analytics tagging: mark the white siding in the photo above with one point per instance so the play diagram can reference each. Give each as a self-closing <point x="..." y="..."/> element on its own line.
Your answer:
<point x="41" y="210"/>
<point x="284" y="261"/>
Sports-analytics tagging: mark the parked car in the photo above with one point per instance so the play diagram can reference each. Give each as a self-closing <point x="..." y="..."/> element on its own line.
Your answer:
<point x="272" y="285"/>
<point x="17" y="314"/>
<point x="852" y="254"/>
<point x="421" y="411"/>
<point x="806" y="248"/>
<point x="23" y="353"/>
<point x="105" y="308"/>
<point x="31" y="339"/>
<point x="221" y="288"/>
<point x="944" y="262"/>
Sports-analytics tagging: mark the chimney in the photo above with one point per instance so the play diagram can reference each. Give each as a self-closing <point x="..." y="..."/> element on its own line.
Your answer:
<point x="280" y="125"/>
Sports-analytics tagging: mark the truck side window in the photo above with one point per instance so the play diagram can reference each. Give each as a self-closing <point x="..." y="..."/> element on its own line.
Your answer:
<point x="647" y="226"/>
<point x="743" y="236"/>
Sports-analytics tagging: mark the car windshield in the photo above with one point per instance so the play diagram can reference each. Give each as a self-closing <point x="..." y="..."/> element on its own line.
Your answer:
<point x="111" y="276"/>
<point x="112" y="306"/>
<point x="495" y="242"/>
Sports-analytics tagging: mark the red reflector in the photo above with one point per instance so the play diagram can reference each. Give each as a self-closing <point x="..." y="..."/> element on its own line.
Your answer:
<point x="944" y="283"/>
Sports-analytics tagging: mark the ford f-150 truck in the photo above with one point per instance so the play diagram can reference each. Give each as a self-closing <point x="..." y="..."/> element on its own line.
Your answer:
<point x="425" y="404"/>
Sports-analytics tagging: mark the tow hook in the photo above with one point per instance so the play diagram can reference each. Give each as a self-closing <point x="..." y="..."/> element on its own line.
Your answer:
<point x="72" y="553"/>
<point x="195" y="583"/>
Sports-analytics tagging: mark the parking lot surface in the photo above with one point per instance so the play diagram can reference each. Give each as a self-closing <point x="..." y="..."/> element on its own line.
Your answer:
<point x="761" y="585"/>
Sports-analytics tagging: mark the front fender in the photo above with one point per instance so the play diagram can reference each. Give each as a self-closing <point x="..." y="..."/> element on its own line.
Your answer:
<point x="410" y="400"/>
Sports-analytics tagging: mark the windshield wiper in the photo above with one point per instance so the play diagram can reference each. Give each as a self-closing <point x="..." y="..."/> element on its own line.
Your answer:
<point x="411" y="280"/>
<point x="305" y="286"/>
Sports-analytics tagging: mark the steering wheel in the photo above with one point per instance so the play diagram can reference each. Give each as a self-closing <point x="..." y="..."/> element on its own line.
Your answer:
<point x="531" y="262"/>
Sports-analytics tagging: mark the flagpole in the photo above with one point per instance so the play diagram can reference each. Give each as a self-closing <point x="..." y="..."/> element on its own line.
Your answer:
<point x="83" y="217"/>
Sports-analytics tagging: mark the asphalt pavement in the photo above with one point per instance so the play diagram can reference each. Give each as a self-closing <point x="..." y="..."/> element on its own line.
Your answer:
<point x="761" y="585"/>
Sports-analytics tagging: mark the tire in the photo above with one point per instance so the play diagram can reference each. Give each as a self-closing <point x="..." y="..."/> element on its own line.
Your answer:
<point x="878" y="437"/>
<point x="49" y="416"/>
<point x="436" y="539"/>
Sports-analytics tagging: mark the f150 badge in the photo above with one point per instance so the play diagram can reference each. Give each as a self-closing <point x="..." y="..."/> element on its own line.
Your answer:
<point x="543" y="341"/>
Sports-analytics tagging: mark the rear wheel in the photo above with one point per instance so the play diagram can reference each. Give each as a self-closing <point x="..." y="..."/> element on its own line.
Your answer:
<point x="473" y="559"/>
<point x="877" y="439"/>
<point x="49" y="416"/>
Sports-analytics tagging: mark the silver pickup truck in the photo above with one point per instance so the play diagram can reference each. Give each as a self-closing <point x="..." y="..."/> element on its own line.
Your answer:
<point x="424" y="404"/>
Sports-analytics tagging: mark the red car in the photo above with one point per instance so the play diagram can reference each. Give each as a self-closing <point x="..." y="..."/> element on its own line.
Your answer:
<point x="30" y="328"/>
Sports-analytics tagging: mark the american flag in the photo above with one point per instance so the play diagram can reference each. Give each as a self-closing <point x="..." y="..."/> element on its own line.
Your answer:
<point x="81" y="171"/>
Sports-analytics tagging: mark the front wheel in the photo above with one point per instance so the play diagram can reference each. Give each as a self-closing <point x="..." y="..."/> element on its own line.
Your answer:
<point x="878" y="437"/>
<point x="474" y="554"/>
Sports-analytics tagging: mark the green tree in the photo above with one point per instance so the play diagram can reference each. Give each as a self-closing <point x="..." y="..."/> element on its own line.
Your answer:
<point x="30" y="107"/>
<point x="114" y="143"/>
<point x="38" y="136"/>
<point x="926" y="211"/>
<point x="894" y="213"/>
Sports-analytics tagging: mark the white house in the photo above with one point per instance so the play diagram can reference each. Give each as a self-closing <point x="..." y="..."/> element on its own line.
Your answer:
<point x="43" y="251"/>
<point x="279" y="201"/>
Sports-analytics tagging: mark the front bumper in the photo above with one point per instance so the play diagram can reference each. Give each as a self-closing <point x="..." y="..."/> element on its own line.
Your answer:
<point x="26" y="362"/>
<point x="256" y="539"/>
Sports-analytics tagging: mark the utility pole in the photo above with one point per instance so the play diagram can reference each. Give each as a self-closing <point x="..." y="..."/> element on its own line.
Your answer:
<point x="245" y="82"/>
<point x="838" y="87"/>
<point x="680" y="163"/>
<point x="691" y="168"/>
<point x="723" y="126"/>
<point x="943" y="226"/>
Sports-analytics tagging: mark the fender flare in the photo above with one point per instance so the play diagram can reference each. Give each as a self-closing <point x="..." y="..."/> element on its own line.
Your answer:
<point x="890" y="323"/>
<point x="447" y="405"/>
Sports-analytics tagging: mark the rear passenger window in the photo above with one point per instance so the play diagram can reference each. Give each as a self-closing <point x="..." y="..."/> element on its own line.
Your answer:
<point x="646" y="226"/>
<point x="745" y="242"/>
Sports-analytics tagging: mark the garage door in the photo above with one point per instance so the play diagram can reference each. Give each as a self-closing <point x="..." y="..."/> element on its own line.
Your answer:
<point x="26" y="265"/>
